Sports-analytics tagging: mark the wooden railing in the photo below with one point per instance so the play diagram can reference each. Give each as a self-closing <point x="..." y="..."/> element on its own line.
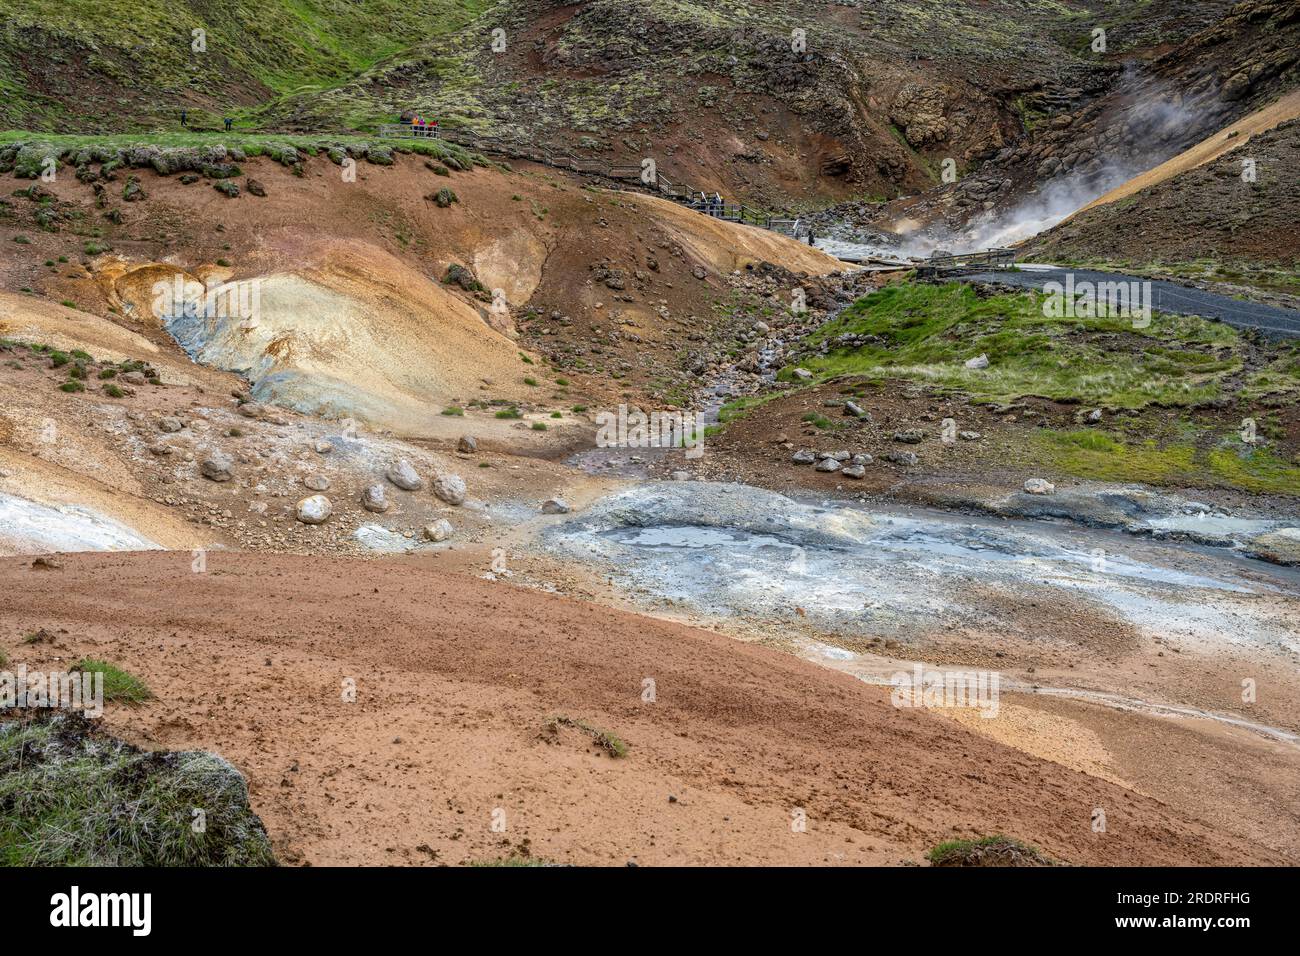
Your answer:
<point x="626" y="173"/>
<point x="995" y="259"/>
<point x="409" y="131"/>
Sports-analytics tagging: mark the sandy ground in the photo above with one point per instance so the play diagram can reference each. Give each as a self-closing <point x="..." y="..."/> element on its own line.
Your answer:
<point x="456" y="678"/>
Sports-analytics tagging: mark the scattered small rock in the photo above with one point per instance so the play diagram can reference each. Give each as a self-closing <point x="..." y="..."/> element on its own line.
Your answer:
<point x="1039" y="486"/>
<point x="555" y="506"/>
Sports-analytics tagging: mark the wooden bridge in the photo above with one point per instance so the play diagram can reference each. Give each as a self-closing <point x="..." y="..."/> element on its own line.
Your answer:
<point x="948" y="263"/>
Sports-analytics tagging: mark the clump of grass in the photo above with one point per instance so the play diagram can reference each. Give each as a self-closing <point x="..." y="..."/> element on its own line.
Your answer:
<point x="73" y="796"/>
<point x="562" y="381"/>
<point x="453" y="410"/>
<point x="995" y="850"/>
<point x="509" y="413"/>
<point x="118" y="684"/>
<point x="114" y="391"/>
<point x="611" y="744"/>
<point x="72" y="385"/>
<point x="514" y="860"/>
<point x="817" y="420"/>
<point x="529" y="380"/>
<point x="539" y="426"/>
<point x="557" y="414"/>
<point x="59" y="359"/>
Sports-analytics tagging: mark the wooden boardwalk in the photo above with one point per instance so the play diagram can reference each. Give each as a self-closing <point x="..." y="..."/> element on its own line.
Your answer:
<point x="796" y="227"/>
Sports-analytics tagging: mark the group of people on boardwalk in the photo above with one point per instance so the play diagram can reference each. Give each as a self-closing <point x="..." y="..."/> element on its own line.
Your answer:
<point x="709" y="205"/>
<point x="419" y="125"/>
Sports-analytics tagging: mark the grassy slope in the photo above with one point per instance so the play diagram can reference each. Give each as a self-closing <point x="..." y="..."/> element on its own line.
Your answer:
<point x="924" y="333"/>
<point x="126" y="49"/>
<point x="927" y="332"/>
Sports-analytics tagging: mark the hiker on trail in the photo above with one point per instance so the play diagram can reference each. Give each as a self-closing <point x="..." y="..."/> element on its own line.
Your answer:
<point x="183" y="117"/>
<point x="229" y="121"/>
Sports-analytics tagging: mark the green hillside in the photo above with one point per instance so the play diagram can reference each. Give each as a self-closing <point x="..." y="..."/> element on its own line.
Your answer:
<point x="100" y="65"/>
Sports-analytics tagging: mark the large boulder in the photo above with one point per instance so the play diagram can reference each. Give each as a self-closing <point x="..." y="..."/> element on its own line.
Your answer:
<point x="314" y="510"/>
<point x="374" y="499"/>
<point x="439" y="530"/>
<point x="450" y="488"/>
<point x="217" y="466"/>
<point x="402" y="474"/>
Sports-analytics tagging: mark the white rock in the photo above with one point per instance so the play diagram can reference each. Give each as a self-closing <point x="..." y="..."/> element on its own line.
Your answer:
<point x="314" y="510"/>
<point x="316" y="482"/>
<point x="440" y="530"/>
<point x="1039" y="486"/>
<point x="450" y="488"/>
<point x="374" y="499"/>
<point x="980" y="361"/>
<point x="403" y="475"/>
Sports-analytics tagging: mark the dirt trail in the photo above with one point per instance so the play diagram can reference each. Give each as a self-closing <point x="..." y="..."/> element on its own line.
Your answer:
<point x="456" y="679"/>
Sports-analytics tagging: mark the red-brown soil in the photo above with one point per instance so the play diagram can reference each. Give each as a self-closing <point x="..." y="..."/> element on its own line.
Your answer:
<point x="456" y="679"/>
